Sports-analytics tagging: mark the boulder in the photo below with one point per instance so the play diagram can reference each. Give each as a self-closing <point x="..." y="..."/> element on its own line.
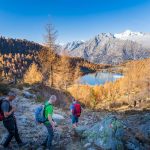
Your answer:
<point x="79" y="131"/>
<point x="27" y="94"/>
<point x="115" y="134"/>
<point x="134" y="144"/>
<point x="107" y="134"/>
<point x="59" y="119"/>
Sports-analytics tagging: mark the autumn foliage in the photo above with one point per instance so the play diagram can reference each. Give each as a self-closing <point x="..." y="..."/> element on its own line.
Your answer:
<point x="134" y="87"/>
<point x="33" y="75"/>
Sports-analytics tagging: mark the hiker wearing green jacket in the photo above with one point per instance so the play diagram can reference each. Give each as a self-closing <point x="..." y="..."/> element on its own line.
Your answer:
<point x="50" y="124"/>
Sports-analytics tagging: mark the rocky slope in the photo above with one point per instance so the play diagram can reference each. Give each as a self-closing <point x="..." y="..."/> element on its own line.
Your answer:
<point x="111" y="48"/>
<point x="35" y="134"/>
<point x="96" y="131"/>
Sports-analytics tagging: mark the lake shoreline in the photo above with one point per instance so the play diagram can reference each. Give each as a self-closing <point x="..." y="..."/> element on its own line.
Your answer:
<point x="99" y="78"/>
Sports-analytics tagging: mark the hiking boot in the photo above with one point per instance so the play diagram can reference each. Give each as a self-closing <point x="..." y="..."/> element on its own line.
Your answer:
<point x="23" y="144"/>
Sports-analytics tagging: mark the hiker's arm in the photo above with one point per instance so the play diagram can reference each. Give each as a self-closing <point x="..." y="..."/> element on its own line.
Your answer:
<point x="5" y="109"/>
<point x="71" y="109"/>
<point x="7" y="114"/>
<point x="51" y="121"/>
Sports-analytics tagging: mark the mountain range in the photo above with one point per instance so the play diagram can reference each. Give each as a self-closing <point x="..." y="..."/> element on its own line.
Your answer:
<point x="110" y="48"/>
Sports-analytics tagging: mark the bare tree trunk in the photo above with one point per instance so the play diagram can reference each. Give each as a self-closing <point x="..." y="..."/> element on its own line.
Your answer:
<point x="51" y="76"/>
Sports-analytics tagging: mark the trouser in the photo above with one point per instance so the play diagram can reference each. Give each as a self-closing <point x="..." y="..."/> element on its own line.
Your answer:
<point x="75" y="119"/>
<point x="11" y="126"/>
<point x="49" y="138"/>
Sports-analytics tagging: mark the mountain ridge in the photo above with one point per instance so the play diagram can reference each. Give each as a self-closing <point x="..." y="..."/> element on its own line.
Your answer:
<point x="11" y="45"/>
<point x="111" y="48"/>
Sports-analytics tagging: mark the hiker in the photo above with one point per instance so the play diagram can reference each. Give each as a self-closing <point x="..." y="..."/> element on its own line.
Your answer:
<point x="75" y="109"/>
<point x="49" y="124"/>
<point x="9" y="120"/>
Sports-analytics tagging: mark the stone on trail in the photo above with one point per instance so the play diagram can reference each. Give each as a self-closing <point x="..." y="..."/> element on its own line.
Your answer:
<point x="27" y="94"/>
<point x="87" y="145"/>
<point x="58" y="118"/>
<point x="80" y="130"/>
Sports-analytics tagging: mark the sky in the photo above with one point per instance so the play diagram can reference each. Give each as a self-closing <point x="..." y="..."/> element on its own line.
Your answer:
<point x="73" y="19"/>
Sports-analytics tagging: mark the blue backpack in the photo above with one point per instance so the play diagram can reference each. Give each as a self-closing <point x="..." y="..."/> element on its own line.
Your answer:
<point x="40" y="114"/>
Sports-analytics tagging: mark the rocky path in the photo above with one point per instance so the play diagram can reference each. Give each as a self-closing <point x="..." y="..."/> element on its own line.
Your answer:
<point x="96" y="131"/>
<point x="34" y="134"/>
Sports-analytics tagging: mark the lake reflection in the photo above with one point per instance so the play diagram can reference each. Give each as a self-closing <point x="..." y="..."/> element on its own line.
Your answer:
<point x="99" y="78"/>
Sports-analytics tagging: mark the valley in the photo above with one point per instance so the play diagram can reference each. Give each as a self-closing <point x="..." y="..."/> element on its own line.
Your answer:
<point x="75" y="75"/>
<point x="113" y="96"/>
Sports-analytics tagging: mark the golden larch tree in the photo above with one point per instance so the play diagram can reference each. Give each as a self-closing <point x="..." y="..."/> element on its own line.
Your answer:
<point x="33" y="75"/>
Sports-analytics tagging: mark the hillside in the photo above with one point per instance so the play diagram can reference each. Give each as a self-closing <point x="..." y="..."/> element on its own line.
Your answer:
<point x="110" y="48"/>
<point x="96" y="131"/>
<point x="10" y="45"/>
<point x="17" y="55"/>
<point x="129" y="92"/>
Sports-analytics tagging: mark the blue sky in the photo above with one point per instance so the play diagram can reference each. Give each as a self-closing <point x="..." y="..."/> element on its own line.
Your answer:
<point x="73" y="19"/>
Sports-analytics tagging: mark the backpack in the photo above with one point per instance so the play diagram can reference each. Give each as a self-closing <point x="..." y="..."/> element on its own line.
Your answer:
<point x="1" y="112"/>
<point x="40" y="114"/>
<point x="77" y="110"/>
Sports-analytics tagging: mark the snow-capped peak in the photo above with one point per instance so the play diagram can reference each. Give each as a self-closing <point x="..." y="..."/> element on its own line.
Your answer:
<point x="139" y="37"/>
<point x="73" y="45"/>
<point x="128" y="33"/>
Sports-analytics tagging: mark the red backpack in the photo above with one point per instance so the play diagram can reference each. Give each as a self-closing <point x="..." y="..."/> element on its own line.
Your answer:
<point x="77" y="110"/>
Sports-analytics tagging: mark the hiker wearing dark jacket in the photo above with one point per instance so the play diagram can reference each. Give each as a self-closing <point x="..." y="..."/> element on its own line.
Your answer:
<point x="9" y="120"/>
<point x="49" y="124"/>
<point x="75" y="109"/>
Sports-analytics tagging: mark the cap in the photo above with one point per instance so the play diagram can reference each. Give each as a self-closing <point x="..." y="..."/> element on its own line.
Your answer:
<point x="11" y="93"/>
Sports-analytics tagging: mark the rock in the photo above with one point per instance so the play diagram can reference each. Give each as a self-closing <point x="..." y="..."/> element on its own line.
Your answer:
<point x="133" y="144"/>
<point x="107" y="134"/>
<point x="3" y="138"/>
<point x="91" y="148"/>
<point x="80" y="130"/>
<point x="119" y="134"/>
<point x="27" y="94"/>
<point x="87" y="145"/>
<point x="58" y="118"/>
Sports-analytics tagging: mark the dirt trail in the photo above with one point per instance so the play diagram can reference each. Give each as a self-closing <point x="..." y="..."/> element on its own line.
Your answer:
<point x="34" y="134"/>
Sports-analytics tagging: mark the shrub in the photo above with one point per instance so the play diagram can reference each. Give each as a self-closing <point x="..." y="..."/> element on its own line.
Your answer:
<point x="4" y="89"/>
